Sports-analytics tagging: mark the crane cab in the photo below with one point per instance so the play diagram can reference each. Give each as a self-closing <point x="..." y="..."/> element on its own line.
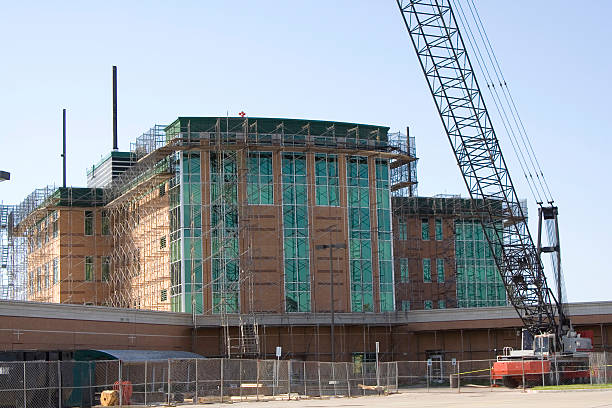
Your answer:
<point x="544" y="344"/>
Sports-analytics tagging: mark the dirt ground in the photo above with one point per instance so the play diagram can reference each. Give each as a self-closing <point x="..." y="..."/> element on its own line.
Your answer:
<point x="482" y="398"/>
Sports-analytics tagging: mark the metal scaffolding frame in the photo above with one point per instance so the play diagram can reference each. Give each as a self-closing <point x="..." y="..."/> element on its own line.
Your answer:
<point x="138" y="206"/>
<point x="39" y="241"/>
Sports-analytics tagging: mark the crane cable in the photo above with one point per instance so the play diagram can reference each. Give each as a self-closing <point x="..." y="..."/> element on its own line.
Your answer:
<point x="521" y="144"/>
<point x="501" y="81"/>
<point x="497" y="101"/>
<point x="479" y="24"/>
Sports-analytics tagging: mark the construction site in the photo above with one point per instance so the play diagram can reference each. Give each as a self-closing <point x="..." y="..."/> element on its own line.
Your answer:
<point x="250" y="240"/>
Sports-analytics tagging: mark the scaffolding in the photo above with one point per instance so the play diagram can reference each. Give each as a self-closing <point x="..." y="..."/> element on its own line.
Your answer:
<point x="37" y="241"/>
<point x="160" y="225"/>
<point x="404" y="178"/>
<point x="180" y="226"/>
<point x="14" y="244"/>
<point x="210" y="266"/>
<point x="13" y="276"/>
<point x="137" y="205"/>
<point x="474" y="280"/>
<point x="149" y="141"/>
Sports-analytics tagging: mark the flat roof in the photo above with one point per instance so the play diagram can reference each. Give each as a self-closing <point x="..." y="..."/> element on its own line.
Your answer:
<point x="112" y="153"/>
<point x="436" y="319"/>
<point x="272" y="125"/>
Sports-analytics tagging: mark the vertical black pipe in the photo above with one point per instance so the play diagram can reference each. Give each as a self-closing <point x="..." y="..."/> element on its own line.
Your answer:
<point x="410" y="188"/>
<point x="115" y="147"/>
<point x="64" y="146"/>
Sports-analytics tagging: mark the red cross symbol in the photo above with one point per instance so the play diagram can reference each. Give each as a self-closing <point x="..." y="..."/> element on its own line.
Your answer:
<point x="242" y="114"/>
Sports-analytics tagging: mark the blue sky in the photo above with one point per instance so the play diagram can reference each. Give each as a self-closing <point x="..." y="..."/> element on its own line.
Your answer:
<point x="334" y="60"/>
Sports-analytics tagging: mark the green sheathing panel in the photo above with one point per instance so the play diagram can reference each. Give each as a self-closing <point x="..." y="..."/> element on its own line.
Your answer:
<point x="295" y="233"/>
<point x="440" y="270"/>
<point x="385" y="249"/>
<point x="404" y="275"/>
<point x="326" y="180"/>
<point x="176" y="247"/>
<point x="191" y="192"/>
<point x="173" y="130"/>
<point x="260" y="183"/>
<point x="426" y="270"/>
<point x="76" y="197"/>
<point x="479" y="283"/>
<point x="425" y="229"/>
<point x="360" y="236"/>
<point x="225" y="252"/>
<point x="186" y="235"/>
<point x="278" y="126"/>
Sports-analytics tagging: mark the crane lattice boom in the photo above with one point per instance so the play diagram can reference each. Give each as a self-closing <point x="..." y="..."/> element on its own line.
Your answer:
<point x="442" y="54"/>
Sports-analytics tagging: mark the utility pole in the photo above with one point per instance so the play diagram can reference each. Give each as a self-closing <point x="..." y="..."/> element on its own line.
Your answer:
<point x="64" y="147"/>
<point x="331" y="248"/>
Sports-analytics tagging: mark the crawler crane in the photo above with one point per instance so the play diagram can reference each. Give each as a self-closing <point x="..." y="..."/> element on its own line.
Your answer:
<point x="443" y="57"/>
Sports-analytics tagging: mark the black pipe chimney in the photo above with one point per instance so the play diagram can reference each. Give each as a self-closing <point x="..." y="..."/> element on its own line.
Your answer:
<point x="115" y="147"/>
<point x="64" y="145"/>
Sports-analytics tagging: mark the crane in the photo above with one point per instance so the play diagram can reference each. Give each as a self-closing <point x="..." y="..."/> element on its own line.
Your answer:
<point x="443" y="57"/>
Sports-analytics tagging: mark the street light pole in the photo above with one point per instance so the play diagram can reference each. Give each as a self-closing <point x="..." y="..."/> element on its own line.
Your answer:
<point x="331" y="248"/>
<point x="331" y="295"/>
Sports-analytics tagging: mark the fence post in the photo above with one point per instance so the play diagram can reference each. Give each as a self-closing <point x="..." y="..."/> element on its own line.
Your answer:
<point x="523" y="367"/>
<point x="333" y="374"/>
<point x="363" y="381"/>
<point x="120" y="385"/>
<point x="491" y="374"/>
<point x="556" y="370"/>
<point x="240" y="379"/>
<point x="458" y="377"/>
<point x="196" y="381"/>
<point x="221" y="379"/>
<point x="396" y="378"/>
<point x="605" y="368"/>
<point x="348" y="380"/>
<point x="319" y="367"/>
<point x="169" y="384"/>
<point x="59" y="384"/>
<point x="305" y="381"/>
<point x="25" y="399"/>
<point x="145" y="382"/>
<point x="257" y="383"/>
<point x="274" y="377"/>
<point x="289" y="379"/>
<point x="90" y="391"/>
<point x="542" y="369"/>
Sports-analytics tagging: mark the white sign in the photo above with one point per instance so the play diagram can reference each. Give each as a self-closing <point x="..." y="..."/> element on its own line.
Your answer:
<point x="454" y="361"/>
<point x="429" y="362"/>
<point x="377" y="347"/>
<point x="278" y="351"/>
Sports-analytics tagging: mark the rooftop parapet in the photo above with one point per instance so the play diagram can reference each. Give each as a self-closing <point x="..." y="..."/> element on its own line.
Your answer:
<point x="52" y="196"/>
<point x="278" y="131"/>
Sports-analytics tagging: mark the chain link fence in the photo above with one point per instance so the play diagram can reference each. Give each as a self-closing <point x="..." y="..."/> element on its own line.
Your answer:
<point x="437" y="375"/>
<point x="41" y="384"/>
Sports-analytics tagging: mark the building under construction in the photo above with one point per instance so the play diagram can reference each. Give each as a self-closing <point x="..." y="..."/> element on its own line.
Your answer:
<point x="231" y="219"/>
